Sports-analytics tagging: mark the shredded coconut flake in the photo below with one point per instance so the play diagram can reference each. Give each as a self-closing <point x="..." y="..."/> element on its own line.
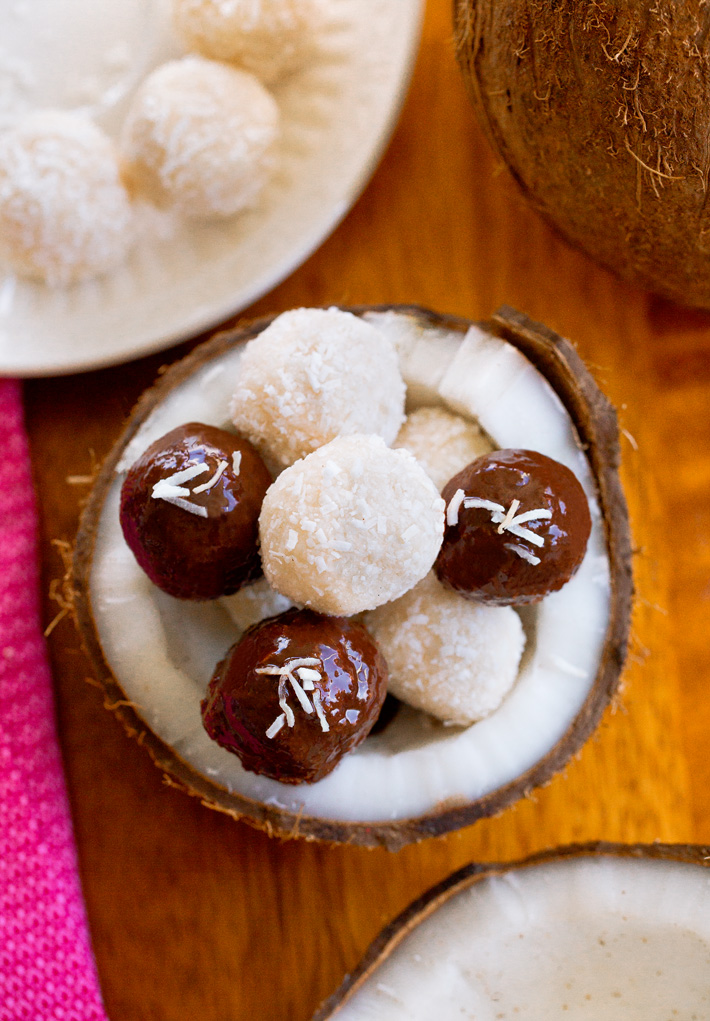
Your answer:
<point x="308" y="675"/>
<point x="541" y="514"/>
<point x="319" y="712"/>
<point x="276" y="726"/>
<point x="163" y="489"/>
<point x="475" y="501"/>
<point x="179" y="501"/>
<point x="452" y="511"/>
<point x="523" y="552"/>
<point x="288" y="711"/>
<point x="185" y="474"/>
<point x="509" y="516"/>
<point x="291" y="540"/>
<point x="236" y="461"/>
<point x="212" y="481"/>
<point x="525" y="533"/>
<point x="300" y="694"/>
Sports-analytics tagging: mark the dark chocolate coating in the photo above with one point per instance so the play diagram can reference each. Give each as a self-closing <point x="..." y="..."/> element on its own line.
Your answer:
<point x="481" y="563"/>
<point x="241" y="704"/>
<point x="188" y="556"/>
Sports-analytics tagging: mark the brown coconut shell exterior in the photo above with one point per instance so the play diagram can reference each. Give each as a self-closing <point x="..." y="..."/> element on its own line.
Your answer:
<point x="601" y="112"/>
<point x="595" y="421"/>
<point x="468" y="876"/>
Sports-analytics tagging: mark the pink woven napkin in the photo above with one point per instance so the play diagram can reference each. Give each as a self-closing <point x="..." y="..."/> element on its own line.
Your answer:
<point x="47" y="969"/>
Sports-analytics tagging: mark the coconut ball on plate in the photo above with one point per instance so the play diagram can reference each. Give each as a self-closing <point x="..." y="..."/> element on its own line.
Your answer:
<point x="200" y="135"/>
<point x="65" y="214"/>
<point x="314" y="374"/>
<point x="351" y="526"/>
<point x="452" y="658"/>
<point x="442" y="442"/>
<point x="271" y="38"/>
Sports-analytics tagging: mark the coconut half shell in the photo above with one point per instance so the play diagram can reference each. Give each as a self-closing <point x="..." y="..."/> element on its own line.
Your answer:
<point x="602" y="113"/>
<point x="589" y="931"/>
<point x="435" y="351"/>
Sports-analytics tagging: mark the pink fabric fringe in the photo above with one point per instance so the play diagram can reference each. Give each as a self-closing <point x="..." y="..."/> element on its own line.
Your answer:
<point x="47" y="969"/>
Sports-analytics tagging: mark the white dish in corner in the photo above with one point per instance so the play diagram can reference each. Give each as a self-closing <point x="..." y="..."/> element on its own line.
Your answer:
<point x="182" y="278"/>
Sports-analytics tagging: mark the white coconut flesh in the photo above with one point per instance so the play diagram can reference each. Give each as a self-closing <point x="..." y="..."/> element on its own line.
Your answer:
<point x="163" y="651"/>
<point x="585" y="939"/>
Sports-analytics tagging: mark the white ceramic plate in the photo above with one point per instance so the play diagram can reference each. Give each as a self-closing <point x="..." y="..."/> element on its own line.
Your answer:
<point x="181" y="279"/>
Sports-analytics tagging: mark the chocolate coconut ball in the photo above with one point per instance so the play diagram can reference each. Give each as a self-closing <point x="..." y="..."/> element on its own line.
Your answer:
<point x="350" y="527"/>
<point x="295" y="694"/>
<point x="65" y="214"/>
<point x="442" y="442"/>
<point x="189" y="511"/>
<point x="517" y="525"/>
<point x="314" y="374"/>
<point x="446" y="655"/>
<point x="200" y="136"/>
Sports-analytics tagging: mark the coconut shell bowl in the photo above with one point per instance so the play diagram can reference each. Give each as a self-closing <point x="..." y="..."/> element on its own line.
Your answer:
<point x="430" y="764"/>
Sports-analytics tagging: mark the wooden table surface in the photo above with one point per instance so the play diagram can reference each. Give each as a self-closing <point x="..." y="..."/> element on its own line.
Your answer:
<point x="195" y="915"/>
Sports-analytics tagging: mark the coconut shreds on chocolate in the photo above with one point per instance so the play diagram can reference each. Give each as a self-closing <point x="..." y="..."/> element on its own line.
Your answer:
<point x="450" y="657"/>
<point x="507" y="520"/>
<point x="312" y="375"/>
<point x="442" y="442"/>
<point x="363" y="536"/>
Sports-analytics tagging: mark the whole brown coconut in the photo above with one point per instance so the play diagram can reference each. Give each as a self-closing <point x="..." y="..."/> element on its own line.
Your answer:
<point x="602" y="113"/>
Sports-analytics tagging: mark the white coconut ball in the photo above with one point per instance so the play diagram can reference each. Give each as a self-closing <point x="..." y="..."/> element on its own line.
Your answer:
<point x="271" y="38"/>
<point x="442" y="442"/>
<point x="446" y="655"/>
<point x="351" y="526"/>
<point x="65" y="214"/>
<point x="312" y="375"/>
<point x="200" y="135"/>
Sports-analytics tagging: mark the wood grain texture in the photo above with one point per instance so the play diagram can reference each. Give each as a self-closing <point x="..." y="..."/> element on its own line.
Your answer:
<point x="194" y="915"/>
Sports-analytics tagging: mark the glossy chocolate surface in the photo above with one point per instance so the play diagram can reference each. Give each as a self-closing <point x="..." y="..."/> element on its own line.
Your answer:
<point x="253" y="707"/>
<point x="207" y="546"/>
<point x="484" y="559"/>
